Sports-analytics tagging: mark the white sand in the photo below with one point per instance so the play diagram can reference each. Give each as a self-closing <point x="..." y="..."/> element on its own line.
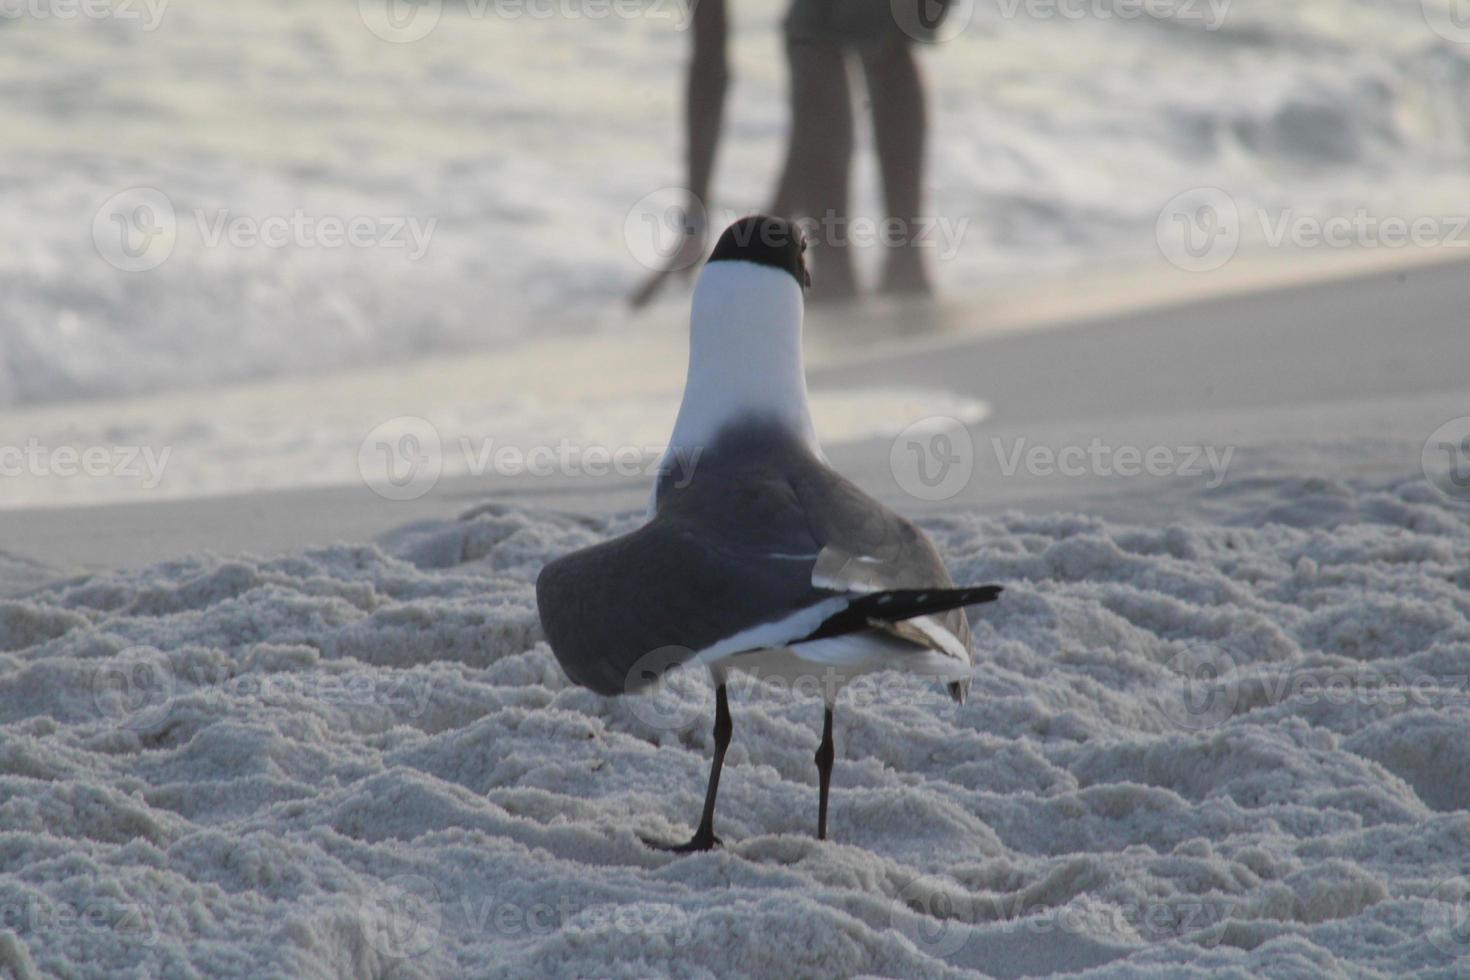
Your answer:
<point x="257" y="720"/>
<point x="361" y="759"/>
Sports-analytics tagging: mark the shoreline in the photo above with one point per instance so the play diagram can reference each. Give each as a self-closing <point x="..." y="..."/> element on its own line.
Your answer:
<point x="1181" y="371"/>
<point x="623" y="342"/>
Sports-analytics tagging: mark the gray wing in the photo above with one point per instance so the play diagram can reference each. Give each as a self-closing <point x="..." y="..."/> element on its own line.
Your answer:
<point x="760" y="533"/>
<point x="868" y="548"/>
<point x="709" y="566"/>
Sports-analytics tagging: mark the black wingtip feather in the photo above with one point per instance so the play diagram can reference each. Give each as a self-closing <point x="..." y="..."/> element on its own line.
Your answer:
<point x="896" y="605"/>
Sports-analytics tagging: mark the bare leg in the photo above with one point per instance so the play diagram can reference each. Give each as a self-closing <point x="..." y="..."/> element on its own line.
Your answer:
<point x="704" y="838"/>
<point x="814" y="181"/>
<point x="704" y="107"/>
<point x="825" y="754"/>
<point x="896" y="92"/>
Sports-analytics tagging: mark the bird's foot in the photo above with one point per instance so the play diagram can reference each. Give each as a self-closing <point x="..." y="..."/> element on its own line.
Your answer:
<point x="704" y="839"/>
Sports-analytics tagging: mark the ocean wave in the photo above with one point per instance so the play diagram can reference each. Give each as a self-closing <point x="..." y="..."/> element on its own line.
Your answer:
<point x="1056" y="142"/>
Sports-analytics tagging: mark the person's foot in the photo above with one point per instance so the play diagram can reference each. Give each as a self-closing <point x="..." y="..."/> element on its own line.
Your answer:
<point x="833" y="278"/>
<point x="904" y="275"/>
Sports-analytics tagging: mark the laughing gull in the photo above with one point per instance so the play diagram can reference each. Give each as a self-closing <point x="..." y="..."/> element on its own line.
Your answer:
<point x="756" y="555"/>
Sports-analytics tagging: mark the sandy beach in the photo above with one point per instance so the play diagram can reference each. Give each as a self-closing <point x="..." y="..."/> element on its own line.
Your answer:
<point x="316" y="732"/>
<point x="316" y="347"/>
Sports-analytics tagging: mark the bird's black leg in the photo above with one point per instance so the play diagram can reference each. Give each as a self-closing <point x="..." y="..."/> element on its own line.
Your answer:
<point x="825" y="755"/>
<point x="704" y="838"/>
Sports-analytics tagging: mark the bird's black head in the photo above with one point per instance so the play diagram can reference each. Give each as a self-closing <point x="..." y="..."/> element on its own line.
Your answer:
<point x="765" y="240"/>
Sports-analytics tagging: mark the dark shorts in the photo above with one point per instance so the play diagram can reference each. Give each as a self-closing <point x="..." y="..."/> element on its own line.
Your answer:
<point x="865" y="25"/>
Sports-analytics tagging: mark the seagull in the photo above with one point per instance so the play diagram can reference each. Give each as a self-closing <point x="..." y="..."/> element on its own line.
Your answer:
<point x="756" y="555"/>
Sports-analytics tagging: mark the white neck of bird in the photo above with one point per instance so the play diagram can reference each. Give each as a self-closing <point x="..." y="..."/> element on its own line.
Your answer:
<point x="744" y="355"/>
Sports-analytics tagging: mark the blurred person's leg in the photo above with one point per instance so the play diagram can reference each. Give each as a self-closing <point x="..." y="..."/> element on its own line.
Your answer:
<point x="704" y="109"/>
<point x="896" y="94"/>
<point x="815" y="181"/>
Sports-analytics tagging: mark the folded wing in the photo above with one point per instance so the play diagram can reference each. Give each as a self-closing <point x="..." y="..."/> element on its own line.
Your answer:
<point x="768" y="549"/>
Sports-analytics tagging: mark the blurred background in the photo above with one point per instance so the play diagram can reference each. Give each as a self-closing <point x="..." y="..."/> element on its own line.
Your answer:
<point x="253" y="232"/>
